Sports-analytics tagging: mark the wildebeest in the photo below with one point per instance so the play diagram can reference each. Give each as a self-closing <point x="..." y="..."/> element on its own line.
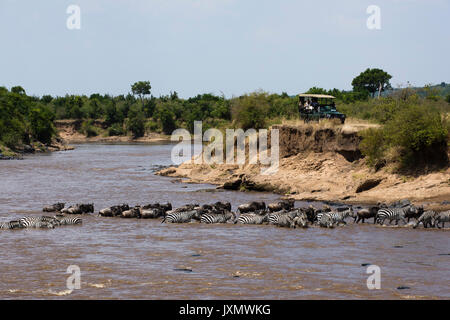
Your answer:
<point x="153" y="213"/>
<point x="79" y="209"/>
<point x="54" y="207"/>
<point x="132" y="213"/>
<point x="366" y="213"/>
<point x="114" y="211"/>
<point x="165" y="206"/>
<point x="281" y="205"/>
<point x="252" y="206"/>
<point x="415" y="214"/>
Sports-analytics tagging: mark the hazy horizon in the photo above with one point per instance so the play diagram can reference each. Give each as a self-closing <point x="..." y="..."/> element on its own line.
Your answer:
<point x="219" y="46"/>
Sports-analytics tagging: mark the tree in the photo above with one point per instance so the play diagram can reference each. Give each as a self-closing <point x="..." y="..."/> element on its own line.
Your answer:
<point x="18" y="90"/>
<point x="136" y="121"/>
<point x="41" y="123"/>
<point x="372" y="80"/>
<point x="141" y="88"/>
<point x="167" y="118"/>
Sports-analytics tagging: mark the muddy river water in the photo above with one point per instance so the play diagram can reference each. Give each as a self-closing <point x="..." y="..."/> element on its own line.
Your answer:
<point x="144" y="259"/>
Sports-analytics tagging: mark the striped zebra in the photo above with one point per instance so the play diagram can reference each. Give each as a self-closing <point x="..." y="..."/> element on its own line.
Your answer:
<point x="301" y="220"/>
<point x="38" y="222"/>
<point x="10" y="225"/>
<point x="441" y="217"/>
<point x="394" y="214"/>
<point x="70" y="221"/>
<point x="252" y="218"/>
<point x="282" y="218"/>
<point x="336" y="217"/>
<point x="180" y="216"/>
<point x="211" y="218"/>
<point x="426" y="218"/>
<point x="326" y="221"/>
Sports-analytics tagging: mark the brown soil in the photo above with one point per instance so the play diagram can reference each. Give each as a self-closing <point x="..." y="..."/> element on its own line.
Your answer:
<point x="324" y="163"/>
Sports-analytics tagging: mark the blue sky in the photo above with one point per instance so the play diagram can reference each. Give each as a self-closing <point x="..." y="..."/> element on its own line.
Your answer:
<point x="229" y="46"/>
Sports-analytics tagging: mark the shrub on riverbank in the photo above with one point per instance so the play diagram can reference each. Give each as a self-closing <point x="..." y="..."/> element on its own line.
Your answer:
<point x="417" y="134"/>
<point x="23" y="119"/>
<point x="88" y="128"/>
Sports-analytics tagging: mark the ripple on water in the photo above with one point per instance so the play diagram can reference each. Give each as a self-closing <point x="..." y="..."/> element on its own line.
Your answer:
<point x="132" y="259"/>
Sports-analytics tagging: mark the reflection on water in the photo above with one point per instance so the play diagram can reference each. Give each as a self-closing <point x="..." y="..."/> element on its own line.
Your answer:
<point x="142" y="259"/>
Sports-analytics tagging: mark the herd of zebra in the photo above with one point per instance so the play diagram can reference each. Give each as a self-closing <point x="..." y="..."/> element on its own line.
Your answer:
<point x="281" y="213"/>
<point x="48" y="222"/>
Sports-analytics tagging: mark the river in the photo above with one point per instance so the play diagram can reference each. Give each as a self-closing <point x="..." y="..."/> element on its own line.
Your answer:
<point x="144" y="259"/>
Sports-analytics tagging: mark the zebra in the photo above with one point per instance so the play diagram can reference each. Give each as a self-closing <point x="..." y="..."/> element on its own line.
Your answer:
<point x="210" y="217"/>
<point x="70" y="221"/>
<point x="11" y="225"/>
<point x="337" y="217"/>
<point x="441" y="217"/>
<point x="180" y="216"/>
<point x="275" y="216"/>
<point x="301" y="220"/>
<point x="38" y="222"/>
<point x="326" y="221"/>
<point x="282" y="218"/>
<point x="426" y="218"/>
<point x="252" y="218"/>
<point x="394" y="214"/>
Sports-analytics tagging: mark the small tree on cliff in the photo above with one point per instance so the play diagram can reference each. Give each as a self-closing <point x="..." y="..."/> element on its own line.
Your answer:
<point x="372" y="80"/>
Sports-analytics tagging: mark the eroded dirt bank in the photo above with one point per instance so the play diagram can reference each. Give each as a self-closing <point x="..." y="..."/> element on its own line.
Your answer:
<point x="319" y="163"/>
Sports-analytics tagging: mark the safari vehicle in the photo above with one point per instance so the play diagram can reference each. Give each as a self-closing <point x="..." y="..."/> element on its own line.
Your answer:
<point x="313" y="107"/>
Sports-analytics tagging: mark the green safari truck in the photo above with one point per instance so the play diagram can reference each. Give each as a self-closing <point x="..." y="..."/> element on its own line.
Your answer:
<point x="313" y="107"/>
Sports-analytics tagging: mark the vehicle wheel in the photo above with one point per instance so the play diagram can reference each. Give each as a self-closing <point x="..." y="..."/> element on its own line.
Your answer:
<point x="343" y="120"/>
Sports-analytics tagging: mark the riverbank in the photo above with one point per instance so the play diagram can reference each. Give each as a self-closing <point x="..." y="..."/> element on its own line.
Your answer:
<point x="68" y="130"/>
<point x="57" y="144"/>
<point x="324" y="164"/>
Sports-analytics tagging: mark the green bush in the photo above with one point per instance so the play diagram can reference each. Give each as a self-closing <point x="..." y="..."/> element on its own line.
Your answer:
<point x="373" y="145"/>
<point x="420" y="134"/>
<point x="116" y="130"/>
<point x="167" y="119"/>
<point x="152" y="126"/>
<point x="88" y="128"/>
<point x="136" y="121"/>
<point x="250" y="111"/>
<point x="41" y="124"/>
